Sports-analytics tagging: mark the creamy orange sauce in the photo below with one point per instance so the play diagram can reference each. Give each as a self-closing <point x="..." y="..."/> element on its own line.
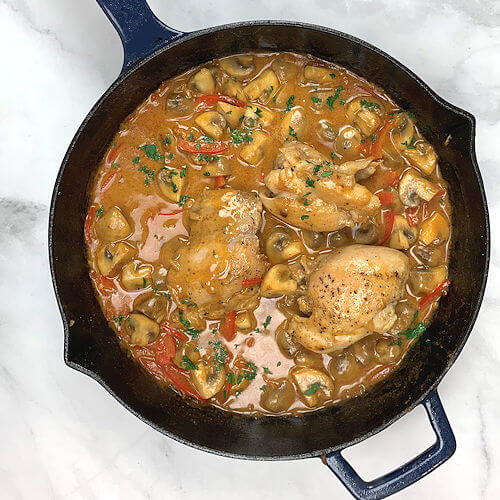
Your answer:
<point x="127" y="178"/>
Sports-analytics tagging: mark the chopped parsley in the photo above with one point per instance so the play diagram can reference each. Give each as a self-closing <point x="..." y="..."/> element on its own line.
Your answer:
<point x="136" y="160"/>
<point x="167" y="140"/>
<point x="190" y="137"/>
<point x="258" y="112"/>
<point x="187" y="326"/>
<point x="317" y="167"/>
<point x="292" y="133"/>
<point x="309" y="182"/>
<point x="332" y="156"/>
<point x="144" y="283"/>
<point x="368" y="104"/>
<point x="409" y="145"/>
<point x="326" y="174"/>
<point x="183" y="171"/>
<point x="332" y="98"/>
<point x="278" y="363"/>
<point x="220" y="354"/>
<point x="315" y="99"/>
<point x="207" y="138"/>
<point x="414" y="332"/>
<point x="118" y="320"/>
<point x="151" y="151"/>
<point x="312" y="389"/>
<point x="267" y="321"/>
<point x="148" y="174"/>
<point x="239" y="137"/>
<point x="249" y="374"/>
<point x="183" y="199"/>
<point x="411" y="115"/>
<point x="188" y="364"/>
<point x="115" y="165"/>
<point x="290" y="103"/>
<point x="263" y="387"/>
<point x="373" y="138"/>
<point x="230" y="378"/>
<point x="206" y="174"/>
<point x="304" y="217"/>
<point x="267" y="370"/>
<point x="99" y="212"/>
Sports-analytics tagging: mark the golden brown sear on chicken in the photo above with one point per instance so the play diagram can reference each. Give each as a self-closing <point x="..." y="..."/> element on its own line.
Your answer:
<point x="269" y="234"/>
<point x="335" y="199"/>
<point x="222" y="251"/>
<point x="351" y="292"/>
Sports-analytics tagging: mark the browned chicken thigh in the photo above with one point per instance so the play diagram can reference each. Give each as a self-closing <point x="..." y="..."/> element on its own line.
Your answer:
<point x="222" y="251"/>
<point x="308" y="191"/>
<point x="350" y="293"/>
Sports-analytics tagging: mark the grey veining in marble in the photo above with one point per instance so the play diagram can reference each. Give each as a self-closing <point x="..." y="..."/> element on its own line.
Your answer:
<point x="62" y="435"/>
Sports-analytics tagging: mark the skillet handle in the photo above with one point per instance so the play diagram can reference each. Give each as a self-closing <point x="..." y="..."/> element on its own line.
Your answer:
<point x="141" y="32"/>
<point x="398" y="479"/>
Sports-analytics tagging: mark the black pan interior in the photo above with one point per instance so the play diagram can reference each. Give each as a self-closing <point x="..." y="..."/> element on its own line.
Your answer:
<point x="91" y="345"/>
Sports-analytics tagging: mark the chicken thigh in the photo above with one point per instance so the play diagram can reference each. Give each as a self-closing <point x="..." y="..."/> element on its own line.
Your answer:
<point x="310" y="192"/>
<point x="350" y="293"/>
<point x="207" y="271"/>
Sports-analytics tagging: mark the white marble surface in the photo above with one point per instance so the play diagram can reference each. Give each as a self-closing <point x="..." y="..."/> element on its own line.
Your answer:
<point x="61" y="434"/>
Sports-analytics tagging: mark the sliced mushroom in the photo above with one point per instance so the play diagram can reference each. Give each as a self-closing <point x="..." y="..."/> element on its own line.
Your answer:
<point x="238" y="66"/>
<point x="422" y="156"/>
<point x="112" y="225"/>
<point x="282" y="245"/>
<point x="278" y="281"/>
<point x="112" y="256"/>
<point x="159" y="278"/>
<point x="364" y="350"/>
<point x="365" y="233"/>
<point x="245" y="321"/>
<point x="254" y="152"/>
<point x="142" y="330"/>
<point x="285" y="342"/>
<point x="294" y="124"/>
<point x="413" y="189"/>
<point x="434" y="230"/>
<point x="403" y="235"/>
<point x="234" y="89"/>
<point x="313" y="239"/>
<point x="403" y="132"/>
<point x="344" y="366"/>
<point x="429" y="256"/>
<point x="171" y="183"/>
<point x="425" y="281"/>
<point x="212" y="123"/>
<point x="152" y="305"/>
<point x="177" y="105"/>
<point x="405" y="311"/>
<point x="257" y="116"/>
<point x="326" y="130"/>
<point x="285" y="70"/>
<point x="233" y="114"/>
<point x="278" y="395"/>
<point x="208" y="378"/>
<point x="263" y="87"/>
<point x="318" y="74"/>
<point x="387" y="351"/>
<point x="348" y="142"/>
<point x="202" y="82"/>
<point x="313" y="386"/>
<point x="169" y="252"/>
<point x="221" y="166"/>
<point x="135" y="276"/>
<point x="365" y="114"/>
<point x="305" y="357"/>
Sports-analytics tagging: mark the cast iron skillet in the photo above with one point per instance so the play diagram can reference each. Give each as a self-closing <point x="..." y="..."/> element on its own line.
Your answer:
<point x="153" y="53"/>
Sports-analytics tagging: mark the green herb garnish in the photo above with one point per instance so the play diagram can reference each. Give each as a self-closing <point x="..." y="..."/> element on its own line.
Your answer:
<point x="312" y="389"/>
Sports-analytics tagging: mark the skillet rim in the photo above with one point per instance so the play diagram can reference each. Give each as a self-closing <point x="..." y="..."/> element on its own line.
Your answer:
<point x="331" y="32"/>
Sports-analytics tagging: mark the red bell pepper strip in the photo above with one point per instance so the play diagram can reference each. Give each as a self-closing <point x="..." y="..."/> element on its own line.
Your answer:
<point x="227" y="326"/>
<point x="179" y="380"/>
<point x="205" y="148"/>
<point x="166" y="211"/>
<point x="164" y="348"/>
<point x="379" y="373"/>
<point x="388" y="218"/>
<point x="220" y="181"/>
<point x="378" y="146"/>
<point x="166" y="328"/>
<point x="416" y="214"/>
<point x="434" y="294"/>
<point x="151" y="366"/>
<point x="213" y="98"/>
<point x="89" y="221"/>
<point x="112" y="155"/>
<point x="252" y="282"/>
<point x="385" y="198"/>
<point x="392" y="178"/>
<point x="107" y="180"/>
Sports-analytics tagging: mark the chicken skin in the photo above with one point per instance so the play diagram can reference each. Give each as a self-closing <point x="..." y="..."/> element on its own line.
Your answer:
<point x="350" y="293"/>
<point x="308" y="191"/>
<point x="207" y="271"/>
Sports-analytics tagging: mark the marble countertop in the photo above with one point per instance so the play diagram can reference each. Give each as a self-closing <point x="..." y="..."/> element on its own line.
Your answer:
<point x="64" y="436"/>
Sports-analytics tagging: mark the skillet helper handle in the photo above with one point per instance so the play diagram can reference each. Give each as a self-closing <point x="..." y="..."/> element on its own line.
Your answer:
<point x="394" y="481"/>
<point x="141" y="32"/>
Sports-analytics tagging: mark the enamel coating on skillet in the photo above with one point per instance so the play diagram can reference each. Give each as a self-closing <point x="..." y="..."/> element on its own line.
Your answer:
<point x="92" y="348"/>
